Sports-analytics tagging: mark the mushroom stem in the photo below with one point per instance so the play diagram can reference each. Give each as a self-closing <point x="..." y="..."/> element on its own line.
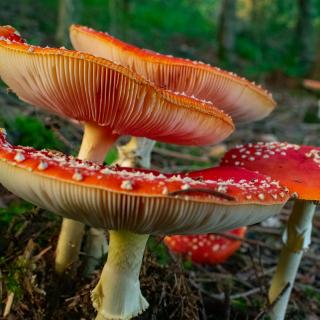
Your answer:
<point x="296" y="240"/>
<point x="117" y="294"/>
<point x="96" y="246"/>
<point x="69" y="244"/>
<point x="96" y="141"/>
<point x="136" y="153"/>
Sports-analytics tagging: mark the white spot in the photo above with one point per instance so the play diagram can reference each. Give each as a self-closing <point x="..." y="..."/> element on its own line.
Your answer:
<point x="126" y="185"/>
<point x="77" y="176"/>
<point x="261" y="196"/>
<point x="185" y="187"/>
<point x="19" y="157"/>
<point x="42" y="165"/>
<point x="216" y="247"/>
<point x="165" y="191"/>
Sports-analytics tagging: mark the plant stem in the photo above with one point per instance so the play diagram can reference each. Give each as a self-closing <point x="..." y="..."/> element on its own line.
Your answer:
<point x="296" y="239"/>
<point x="117" y="294"/>
<point x="96" y="142"/>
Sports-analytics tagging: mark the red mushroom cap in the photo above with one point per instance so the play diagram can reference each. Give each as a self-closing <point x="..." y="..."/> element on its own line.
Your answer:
<point x="297" y="167"/>
<point x="11" y="34"/>
<point x="143" y="201"/>
<point x="208" y="248"/>
<point x="86" y="88"/>
<point x="241" y="99"/>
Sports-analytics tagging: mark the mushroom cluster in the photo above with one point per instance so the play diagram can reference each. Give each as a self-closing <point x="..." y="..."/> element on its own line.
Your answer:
<point x="296" y="167"/>
<point x="212" y="200"/>
<point x="126" y="90"/>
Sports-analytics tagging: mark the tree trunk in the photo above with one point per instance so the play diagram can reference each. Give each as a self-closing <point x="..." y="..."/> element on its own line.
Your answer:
<point x="67" y="14"/>
<point x="227" y="31"/>
<point x="118" y="11"/>
<point x="304" y="38"/>
<point x="316" y="67"/>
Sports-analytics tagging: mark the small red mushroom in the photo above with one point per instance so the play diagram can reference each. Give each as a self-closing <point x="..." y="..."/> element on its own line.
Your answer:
<point x="208" y="248"/>
<point x="298" y="168"/>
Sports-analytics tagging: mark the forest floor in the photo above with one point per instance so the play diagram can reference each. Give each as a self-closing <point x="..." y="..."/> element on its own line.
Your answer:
<point x="175" y="288"/>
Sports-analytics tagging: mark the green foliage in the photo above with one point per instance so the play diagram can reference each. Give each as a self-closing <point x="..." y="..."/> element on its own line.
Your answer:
<point x="312" y="293"/>
<point x="187" y="264"/>
<point x="311" y="115"/>
<point x="159" y="250"/>
<point x="30" y="131"/>
<point x="16" y="273"/>
<point x="265" y="40"/>
<point x="111" y="156"/>
<point x="15" y="208"/>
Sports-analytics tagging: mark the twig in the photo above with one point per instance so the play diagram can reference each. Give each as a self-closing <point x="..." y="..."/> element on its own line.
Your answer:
<point x="8" y="306"/>
<point x="227" y="300"/>
<point x="262" y="286"/>
<point x="41" y="253"/>
<point x="244" y="294"/>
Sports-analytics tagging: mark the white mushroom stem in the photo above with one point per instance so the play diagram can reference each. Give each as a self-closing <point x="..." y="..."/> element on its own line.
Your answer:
<point x="136" y="153"/>
<point x="96" y="142"/>
<point x="117" y="294"/>
<point x="296" y="240"/>
<point x="96" y="246"/>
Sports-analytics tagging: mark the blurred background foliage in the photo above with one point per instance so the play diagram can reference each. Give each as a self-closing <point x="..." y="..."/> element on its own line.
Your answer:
<point x="258" y="38"/>
<point x="273" y="42"/>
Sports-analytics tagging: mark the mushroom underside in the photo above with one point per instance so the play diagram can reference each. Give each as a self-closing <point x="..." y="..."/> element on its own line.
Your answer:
<point x="144" y="214"/>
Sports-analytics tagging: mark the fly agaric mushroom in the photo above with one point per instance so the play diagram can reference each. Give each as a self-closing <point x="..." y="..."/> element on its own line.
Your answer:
<point x="110" y="99"/>
<point x="155" y="204"/>
<point x="207" y="248"/>
<point x="241" y="99"/>
<point x="296" y="167"/>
